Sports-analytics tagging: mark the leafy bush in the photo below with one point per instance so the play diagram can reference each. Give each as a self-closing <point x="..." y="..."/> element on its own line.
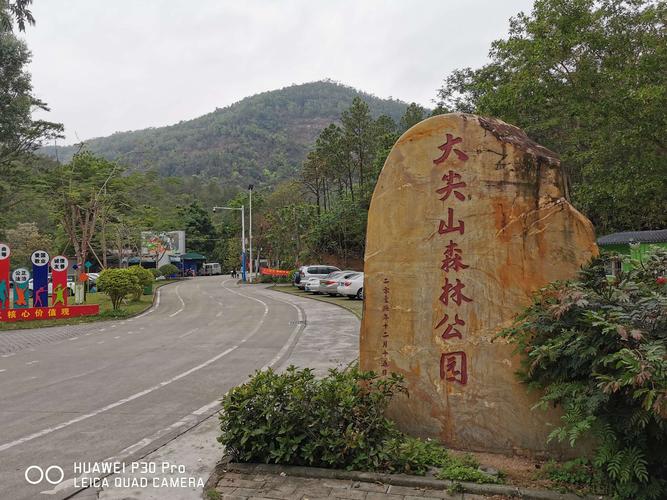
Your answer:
<point x="338" y="421"/>
<point x="295" y="418"/>
<point x="145" y="278"/>
<point x="597" y="347"/>
<point x="169" y="270"/>
<point x="155" y="272"/>
<point x="578" y="474"/>
<point x="117" y="283"/>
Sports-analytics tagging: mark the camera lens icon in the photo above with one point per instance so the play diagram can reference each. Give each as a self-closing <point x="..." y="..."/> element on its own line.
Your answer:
<point x="35" y="474"/>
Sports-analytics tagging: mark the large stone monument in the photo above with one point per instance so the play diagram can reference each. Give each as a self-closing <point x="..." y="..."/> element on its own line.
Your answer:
<point x="469" y="218"/>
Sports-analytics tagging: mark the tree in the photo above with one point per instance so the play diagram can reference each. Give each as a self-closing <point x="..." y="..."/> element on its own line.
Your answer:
<point x="585" y="78"/>
<point x="24" y="240"/>
<point x="81" y="189"/>
<point x="16" y="11"/>
<point x="414" y="113"/>
<point x="358" y="134"/>
<point x="145" y="278"/>
<point x="201" y="233"/>
<point x="19" y="133"/>
<point x="117" y="284"/>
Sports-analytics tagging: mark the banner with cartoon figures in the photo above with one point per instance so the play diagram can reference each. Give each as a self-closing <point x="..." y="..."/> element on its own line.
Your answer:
<point x="48" y="283"/>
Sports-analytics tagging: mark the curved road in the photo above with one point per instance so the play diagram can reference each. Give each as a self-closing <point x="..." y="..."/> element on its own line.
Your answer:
<point x="117" y="390"/>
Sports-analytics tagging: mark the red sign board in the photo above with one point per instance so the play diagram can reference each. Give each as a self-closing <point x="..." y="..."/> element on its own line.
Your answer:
<point x="37" y="313"/>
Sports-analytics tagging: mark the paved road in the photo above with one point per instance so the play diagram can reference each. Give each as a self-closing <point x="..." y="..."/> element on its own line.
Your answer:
<point x="118" y="390"/>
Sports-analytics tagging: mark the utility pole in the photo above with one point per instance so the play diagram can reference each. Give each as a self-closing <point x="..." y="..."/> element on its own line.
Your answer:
<point x="252" y="262"/>
<point x="243" y="254"/>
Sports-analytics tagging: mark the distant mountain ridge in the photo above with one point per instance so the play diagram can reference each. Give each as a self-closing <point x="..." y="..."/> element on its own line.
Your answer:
<point x="262" y="138"/>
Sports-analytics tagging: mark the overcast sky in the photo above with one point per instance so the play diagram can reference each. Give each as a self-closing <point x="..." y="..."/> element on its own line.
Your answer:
<point x="106" y="66"/>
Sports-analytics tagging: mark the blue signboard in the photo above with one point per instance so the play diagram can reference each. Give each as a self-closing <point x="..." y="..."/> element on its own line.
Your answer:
<point x="40" y="278"/>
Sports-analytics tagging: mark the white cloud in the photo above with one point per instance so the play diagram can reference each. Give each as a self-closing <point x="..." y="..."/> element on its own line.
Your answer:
<point x="123" y="65"/>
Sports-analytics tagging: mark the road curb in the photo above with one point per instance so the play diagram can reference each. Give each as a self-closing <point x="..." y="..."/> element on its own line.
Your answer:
<point x="225" y="465"/>
<point x="315" y="297"/>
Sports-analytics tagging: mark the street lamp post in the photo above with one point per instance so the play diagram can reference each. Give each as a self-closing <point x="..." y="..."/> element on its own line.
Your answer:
<point x="252" y="262"/>
<point x="243" y="261"/>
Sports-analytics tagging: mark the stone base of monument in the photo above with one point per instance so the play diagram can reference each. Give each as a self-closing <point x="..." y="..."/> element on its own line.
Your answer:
<point x="468" y="219"/>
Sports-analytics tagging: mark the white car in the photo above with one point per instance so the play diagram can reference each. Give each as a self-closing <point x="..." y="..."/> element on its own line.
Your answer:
<point x="353" y="286"/>
<point x="312" y="284"/>
<point x="318" y="271"/>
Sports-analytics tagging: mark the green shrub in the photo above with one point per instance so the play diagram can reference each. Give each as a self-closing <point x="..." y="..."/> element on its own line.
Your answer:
<point x="155" y="272"/>
<point x="145" y="278"/>
<point x="169" y="270"/>
<point x="598" y="348"/>
<point x="338" y="421"/>
<point x="295" y="418"/>
<point x="579" y="475"/>
<point x="117" y="283"/>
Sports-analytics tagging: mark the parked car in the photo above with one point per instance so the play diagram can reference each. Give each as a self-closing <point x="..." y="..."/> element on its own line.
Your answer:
<point x="312" y="284"/>
<point x="353" y="286"/>
<point x="319" y="271"/>
<point x="330" y="283"/>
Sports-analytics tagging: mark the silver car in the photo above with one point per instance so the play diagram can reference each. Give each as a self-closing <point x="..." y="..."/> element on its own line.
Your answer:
<point x="331" y="283"/>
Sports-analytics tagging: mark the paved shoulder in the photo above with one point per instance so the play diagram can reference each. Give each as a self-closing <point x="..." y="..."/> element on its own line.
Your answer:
<point x="330" y="338"/>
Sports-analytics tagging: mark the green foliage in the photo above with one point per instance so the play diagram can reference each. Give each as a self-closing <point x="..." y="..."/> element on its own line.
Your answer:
<point x="20" y="134"/>
<point x="145" y="278"/>
<point x="578" y="474"/>
<point x="598" y="348"/>
<point x="155" y="272"/>
<point x="461" y="472"/>
<point x="295" y="418"/>
<point x="337" y="421"/>
<point x="585" y="78"/>
<point x="413" y="115"/>
<point x="117" y="284"/>
<point x="169" y="270"/>
<point x="260" y="139"/>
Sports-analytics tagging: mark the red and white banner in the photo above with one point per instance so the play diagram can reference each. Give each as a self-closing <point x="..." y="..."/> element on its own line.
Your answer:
<point x="36" y="313"/>
<point x="273" y="272"/>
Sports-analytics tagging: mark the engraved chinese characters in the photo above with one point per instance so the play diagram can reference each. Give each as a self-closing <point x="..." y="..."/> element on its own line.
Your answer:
<point x="467" y="220"/>
<point x="453" y="364"/>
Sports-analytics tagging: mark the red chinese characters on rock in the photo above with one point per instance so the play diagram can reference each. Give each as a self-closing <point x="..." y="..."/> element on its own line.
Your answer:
<point x="447" y="148"/>
<point x="453" y="365"/>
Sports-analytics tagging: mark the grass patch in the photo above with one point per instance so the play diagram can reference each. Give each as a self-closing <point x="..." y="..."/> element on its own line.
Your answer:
<point x="129" y="308"/>
<point x="355" y="306"/>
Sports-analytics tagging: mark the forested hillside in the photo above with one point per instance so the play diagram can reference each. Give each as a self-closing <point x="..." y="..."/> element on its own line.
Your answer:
<point x="263" y="138"/>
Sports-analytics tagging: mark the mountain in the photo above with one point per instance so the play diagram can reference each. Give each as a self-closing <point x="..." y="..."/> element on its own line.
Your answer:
<point x="261" y="139"/>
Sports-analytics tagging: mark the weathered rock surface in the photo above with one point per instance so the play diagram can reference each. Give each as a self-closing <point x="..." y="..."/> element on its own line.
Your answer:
<point x="469" y="218"/>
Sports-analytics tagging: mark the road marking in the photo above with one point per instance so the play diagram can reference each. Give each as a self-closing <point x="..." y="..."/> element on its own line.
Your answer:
<point x="219" y="314"/>
<point x="187" y="421"/>
<point x="120" y="402"/>
<point x="10" y="354"/>
<point x="101" y="329"/>
<point x="157" y="303"/>
<point x="117" y="337"/>
<point x="73" y="338"/>
<point x="188" y="333"/>
<point x="32" y="362"/>
<point x="182" y="303"/>
<point x="101" y="342"/>
<point x="3" y="370"/>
